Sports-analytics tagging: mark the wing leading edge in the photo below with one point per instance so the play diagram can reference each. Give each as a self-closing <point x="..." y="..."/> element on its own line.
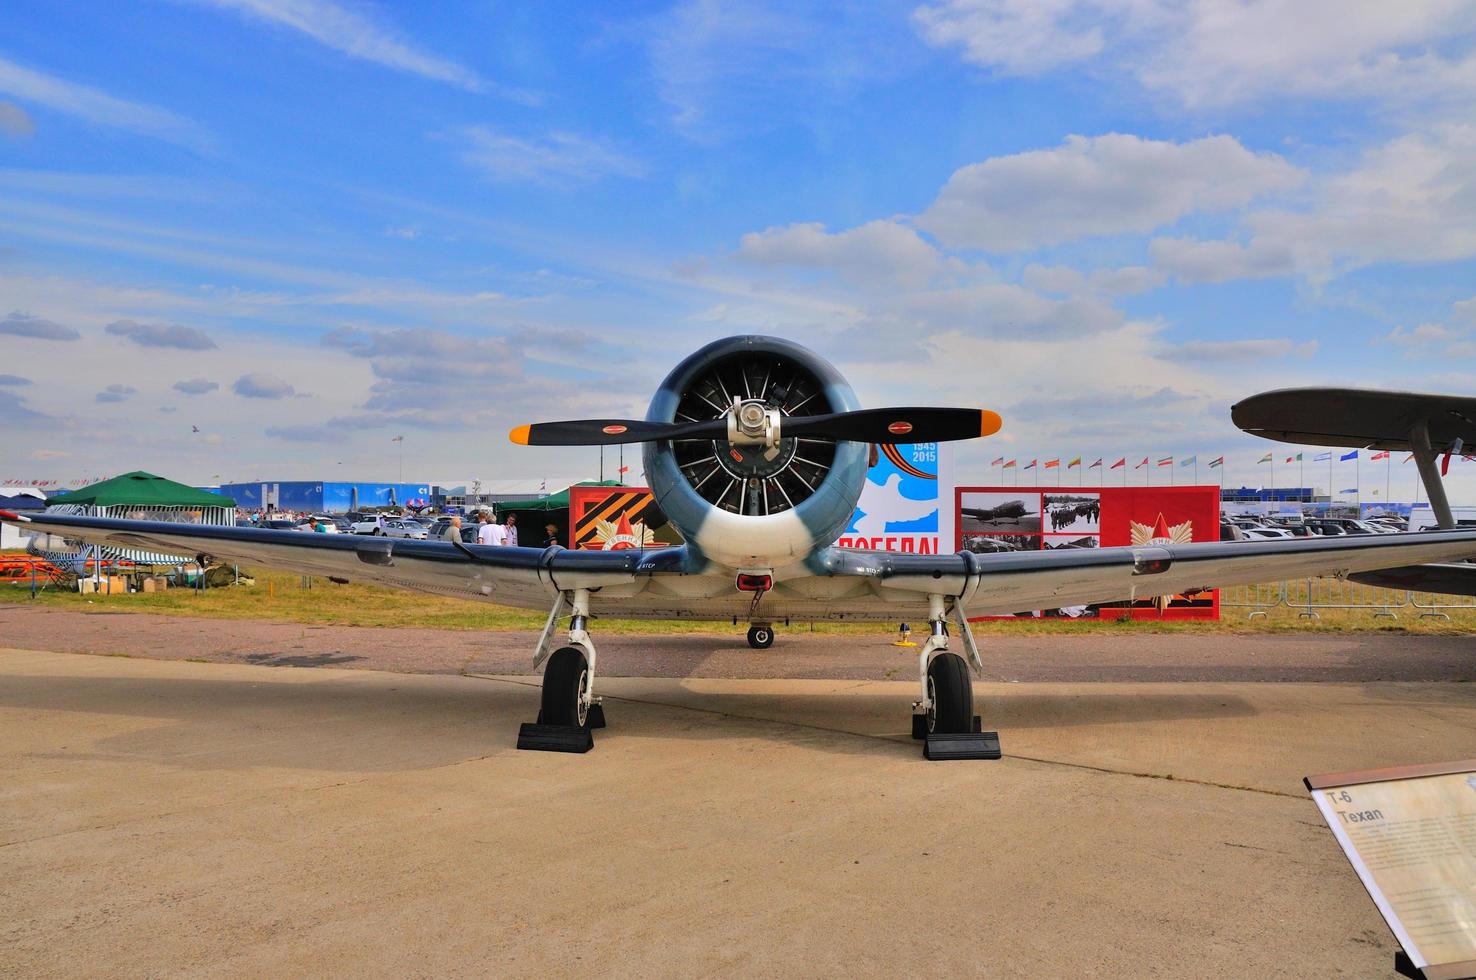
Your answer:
<point x="998" y="584"/>
<point x="525" y="577"/>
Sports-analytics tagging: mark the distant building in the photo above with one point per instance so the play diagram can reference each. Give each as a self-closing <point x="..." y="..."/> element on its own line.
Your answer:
<point x="1250" y="495"/>
<point x="326" y="496"/>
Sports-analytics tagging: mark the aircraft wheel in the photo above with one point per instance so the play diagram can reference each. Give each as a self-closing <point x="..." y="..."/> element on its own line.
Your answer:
<point x="761" y="637"/>
<point x="952" y="694"/>
<point x="563" y="682"/>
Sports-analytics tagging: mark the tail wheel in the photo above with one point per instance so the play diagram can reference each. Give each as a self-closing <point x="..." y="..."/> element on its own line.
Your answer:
<point x="761" y="637"/>
<point x="563" y="682"/>
<point x="952" y="695"/>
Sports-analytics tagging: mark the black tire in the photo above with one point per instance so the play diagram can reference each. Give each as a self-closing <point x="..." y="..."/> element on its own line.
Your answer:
<point x="562" y="680"/>
<point x="761" y="637"/>
<point x="953" y="695"/>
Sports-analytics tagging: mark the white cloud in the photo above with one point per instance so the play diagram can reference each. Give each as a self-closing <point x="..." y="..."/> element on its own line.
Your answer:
<point x="97" y="107"/>
<point x="1238" y="352"/>
<point x="1105" y="185"/>
<point x="18" y="324"/>
<point x="161" y="335"/>
<point x="873" y="252"/>
<point x="353" y="34"/>
<point x="196" y="386"/>
<point x="1412" y="199"/>
<point x="1211" y="53"/>
<point x="1192" y="260"/>
<point x="116" y="393"/>
<point x="558" y="158"/>
<point x="14" y="121"/>
<point x="262" y="385"/>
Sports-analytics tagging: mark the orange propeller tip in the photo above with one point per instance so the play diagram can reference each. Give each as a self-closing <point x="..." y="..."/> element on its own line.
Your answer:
<point x="520" y="435"/>
<point x="989" y="422"/>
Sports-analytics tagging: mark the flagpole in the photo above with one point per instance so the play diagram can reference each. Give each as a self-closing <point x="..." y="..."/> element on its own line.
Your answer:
<point x="1357" y="486"/>
<point x="1330" y="455"/>
<point x="1388" y="474"/>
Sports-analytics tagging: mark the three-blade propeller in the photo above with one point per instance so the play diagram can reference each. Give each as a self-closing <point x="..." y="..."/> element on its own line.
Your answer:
<point x="875" y="425"/>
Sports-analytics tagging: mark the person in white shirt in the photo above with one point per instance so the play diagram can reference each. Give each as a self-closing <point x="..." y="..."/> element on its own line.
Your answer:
<point x="491" y="532"/>
<point x="510" y="531"/>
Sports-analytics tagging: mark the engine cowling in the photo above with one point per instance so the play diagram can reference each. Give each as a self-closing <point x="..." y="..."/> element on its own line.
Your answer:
<point x="754" y="505"/>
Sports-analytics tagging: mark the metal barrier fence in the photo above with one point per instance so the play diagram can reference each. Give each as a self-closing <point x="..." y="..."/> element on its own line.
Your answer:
<point x="1310" y="595"/>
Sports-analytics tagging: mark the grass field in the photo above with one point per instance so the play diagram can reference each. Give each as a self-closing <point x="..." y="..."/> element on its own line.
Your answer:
<point x="283" y="597"/>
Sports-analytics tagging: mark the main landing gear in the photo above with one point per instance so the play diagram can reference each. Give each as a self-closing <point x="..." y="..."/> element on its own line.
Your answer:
<point x="944" y="718"/>
<point x="761" y="636"/>
<point x="569" y="711"/>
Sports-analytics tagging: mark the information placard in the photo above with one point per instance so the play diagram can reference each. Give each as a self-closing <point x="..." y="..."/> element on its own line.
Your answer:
<point x="1410" y="834"/>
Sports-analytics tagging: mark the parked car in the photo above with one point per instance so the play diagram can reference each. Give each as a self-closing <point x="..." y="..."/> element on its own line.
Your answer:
<point x="1267" y="532"/>
<point x="1230" y="531"/>
<point x="399" y="528"/>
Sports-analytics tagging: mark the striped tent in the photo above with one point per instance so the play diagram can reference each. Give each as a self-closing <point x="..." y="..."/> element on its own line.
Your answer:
<point x="140" y="496"/>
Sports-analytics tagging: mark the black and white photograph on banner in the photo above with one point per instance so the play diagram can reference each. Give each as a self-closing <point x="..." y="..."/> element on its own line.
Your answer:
<point x="1058" y="542"/>
<point x="1073" y="512"/>
<point x="990" y="512"/>
<point x="985" y="544"/>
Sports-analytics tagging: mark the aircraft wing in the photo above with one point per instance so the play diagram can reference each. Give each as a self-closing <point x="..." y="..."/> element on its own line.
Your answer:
<point x="1451" y="579"/>
<point x="1001" y="583"/>
<point x="526" y="577"/>
<point x="1013" y="581"/>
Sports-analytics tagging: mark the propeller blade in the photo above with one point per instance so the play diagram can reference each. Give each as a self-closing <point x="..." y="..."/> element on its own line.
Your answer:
<point x="894" y="425"/>
<point x="611" y="432"/>
<point x="873" y="425"/>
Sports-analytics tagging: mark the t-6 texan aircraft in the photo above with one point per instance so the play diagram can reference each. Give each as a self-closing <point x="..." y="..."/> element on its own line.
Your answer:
<point x="756" y="450"/>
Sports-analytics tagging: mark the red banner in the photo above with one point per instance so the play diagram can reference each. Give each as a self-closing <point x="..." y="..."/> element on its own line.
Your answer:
<point x="997" y="519"/>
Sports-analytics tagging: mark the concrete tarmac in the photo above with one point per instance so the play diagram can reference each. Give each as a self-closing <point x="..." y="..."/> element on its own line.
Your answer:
<point x="168" y="818"/>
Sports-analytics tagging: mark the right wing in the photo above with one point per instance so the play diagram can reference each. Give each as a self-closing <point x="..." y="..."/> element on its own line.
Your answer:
<point x="526" y="577"/>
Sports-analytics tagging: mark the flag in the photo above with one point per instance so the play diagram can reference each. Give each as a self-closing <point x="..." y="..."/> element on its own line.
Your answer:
<point x="1217" y="462"/>
<point x="1382" y="455"/>
<point x="1191" y="460"/>
<point x="1029" y="465"/>
<point x="1008" y="465"/>
<point x="1120" y="462"/>
<point x="1051" y="464"/>
<point x="1296" y="459"/>
<point x="1095" y="465"/>
<point x="1142" y="464"/>
<point x="398" y="439"/>
<point x="1264" y="459"/>
<point x="1322" y="457"/>
<point x="1349" y="490"/>
<point x="1347" y="456"/>
<point x="1166" y="461"/>
<point x="1074" y="462"/>
<point x="998" y="461"/>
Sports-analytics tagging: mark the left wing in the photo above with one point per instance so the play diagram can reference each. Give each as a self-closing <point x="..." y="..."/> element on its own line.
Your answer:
<point x="1006" y="582"/>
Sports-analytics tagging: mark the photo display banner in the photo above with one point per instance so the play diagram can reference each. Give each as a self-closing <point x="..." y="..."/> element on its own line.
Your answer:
<point x="615" y="519"/>
<point x="999" y="519"/>
<point x="1410" y="833"/>
<point x="904" y="503"/>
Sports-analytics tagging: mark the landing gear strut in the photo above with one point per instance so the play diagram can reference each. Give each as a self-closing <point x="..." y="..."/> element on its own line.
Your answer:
<point x="761" y="636"/>
<point x="944" y="718"/>
<point x="569" y="710"/>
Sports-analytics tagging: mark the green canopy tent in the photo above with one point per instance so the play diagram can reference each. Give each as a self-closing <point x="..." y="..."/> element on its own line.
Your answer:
<point x="552" y="509"/>
<point x="140" y="489"/>
<point x="554" y="501"/>
<point x="141" y="496"/>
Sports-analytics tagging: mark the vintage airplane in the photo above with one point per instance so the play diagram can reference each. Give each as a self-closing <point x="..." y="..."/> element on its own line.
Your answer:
<point x="1014" y="510"/>
<point x="756" y="450"/>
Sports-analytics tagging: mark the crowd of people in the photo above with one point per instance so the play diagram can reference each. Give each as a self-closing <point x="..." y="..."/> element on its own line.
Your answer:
<point x="489" y="532"/>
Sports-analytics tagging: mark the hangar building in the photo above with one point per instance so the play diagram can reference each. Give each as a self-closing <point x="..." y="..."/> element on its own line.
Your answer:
<point x="325" y="496"/>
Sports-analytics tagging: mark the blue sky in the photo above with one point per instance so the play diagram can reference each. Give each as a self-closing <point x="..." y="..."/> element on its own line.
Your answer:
<point x="304" y="227"/>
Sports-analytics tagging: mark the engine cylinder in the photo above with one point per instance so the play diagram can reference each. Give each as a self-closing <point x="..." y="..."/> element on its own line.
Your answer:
<point x="743" y="503"/>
